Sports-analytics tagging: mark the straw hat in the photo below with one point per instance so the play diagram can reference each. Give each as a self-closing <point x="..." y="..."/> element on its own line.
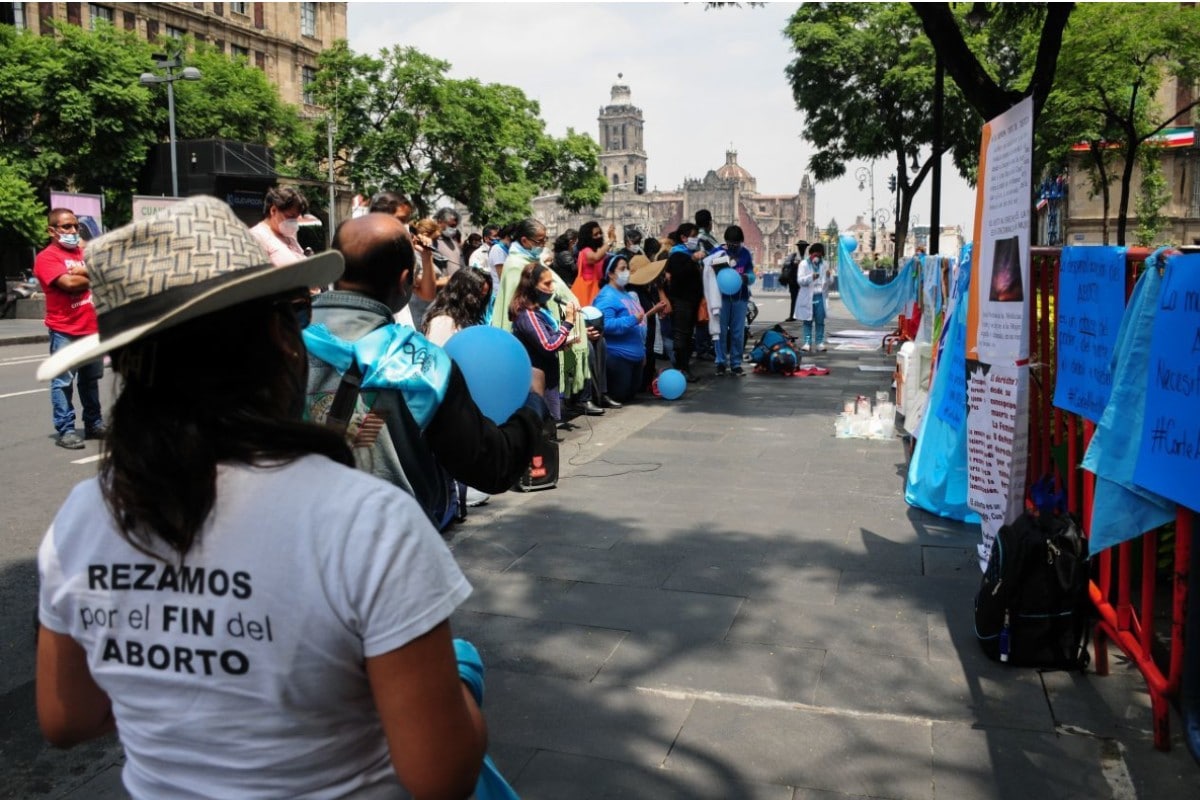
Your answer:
<point x="643" y="271"/>
<point x="194" y="258"/>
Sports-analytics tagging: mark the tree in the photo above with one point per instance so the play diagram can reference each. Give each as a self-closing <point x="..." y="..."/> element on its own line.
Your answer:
<point x="71" y="133"/>
<point x="863" y="76"/>
<point x="1113" y="61"/>
<point x="402" y="124"/>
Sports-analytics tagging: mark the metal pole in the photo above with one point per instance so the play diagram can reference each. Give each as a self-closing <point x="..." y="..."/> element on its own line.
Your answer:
<point x="171" y="125"/>
<point x="332" y="196"/>
<point x="872" y="209"/>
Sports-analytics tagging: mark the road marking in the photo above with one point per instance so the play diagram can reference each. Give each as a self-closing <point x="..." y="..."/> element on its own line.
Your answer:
<point x="18" y="361"/>
<point x="87" y="460"/>
<point x="18" y="394"/>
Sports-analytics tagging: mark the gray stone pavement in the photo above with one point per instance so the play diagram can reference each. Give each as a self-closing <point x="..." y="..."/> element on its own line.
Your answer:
<point x="722" y="600"/>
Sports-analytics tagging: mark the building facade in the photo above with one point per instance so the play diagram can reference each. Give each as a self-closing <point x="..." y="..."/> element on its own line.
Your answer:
<point x="281" y="39"/>
<point x="772" y="223"/>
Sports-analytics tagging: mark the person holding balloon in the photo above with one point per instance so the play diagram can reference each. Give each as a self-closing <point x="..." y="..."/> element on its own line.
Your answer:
<point x="728" y="273"/>
<point x="812" y="275"/>
<point x="415" y="422"/>
<point x="624" y="329"/>
<point x="539" y="331"/>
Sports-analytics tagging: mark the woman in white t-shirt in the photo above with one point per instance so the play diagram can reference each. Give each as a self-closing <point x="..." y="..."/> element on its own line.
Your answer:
<point x="255" y="617"/>
<point x="280" y="226"/>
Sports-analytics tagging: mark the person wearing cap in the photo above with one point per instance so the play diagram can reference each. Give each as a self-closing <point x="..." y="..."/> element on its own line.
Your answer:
<point x="647" y="281"/>
<point x="63" y="277"/>
<point x="282" y="208"/>
<point x="788" y="276"/>
<point x="727" y="312"/>
<point x="624" y="329"/>
<point x="449" y="438"/>
<point x="249" y="613"/>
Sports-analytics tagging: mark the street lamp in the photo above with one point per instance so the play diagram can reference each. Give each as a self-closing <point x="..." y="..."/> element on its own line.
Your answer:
<point x="867" y="175"/>
<point x="170" y="64"/>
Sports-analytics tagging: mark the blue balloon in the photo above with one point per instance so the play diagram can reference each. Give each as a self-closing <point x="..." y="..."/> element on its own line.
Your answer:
<point x="729" y="282"/>
<point x="750" y="278"/>
<point x="496" y="368"/>
<point x="672" y="383"/>
<point x="849" y="242"/>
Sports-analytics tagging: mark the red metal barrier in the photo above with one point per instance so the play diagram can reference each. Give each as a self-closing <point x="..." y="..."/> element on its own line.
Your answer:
<point x="1127" y="622"/>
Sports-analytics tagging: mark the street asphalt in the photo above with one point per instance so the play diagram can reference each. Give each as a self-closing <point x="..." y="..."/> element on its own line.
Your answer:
<point x="722" y="600"/>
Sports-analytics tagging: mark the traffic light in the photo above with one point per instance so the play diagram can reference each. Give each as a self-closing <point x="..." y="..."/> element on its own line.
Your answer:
<point x="891" y="183"/>
<point x="639" y="184"/>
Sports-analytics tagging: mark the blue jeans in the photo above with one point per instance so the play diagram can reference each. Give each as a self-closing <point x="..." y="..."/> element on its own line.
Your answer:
<point x="818" y="319"/>
<point x="87" y="378"/>
<point x="731" y="339"/>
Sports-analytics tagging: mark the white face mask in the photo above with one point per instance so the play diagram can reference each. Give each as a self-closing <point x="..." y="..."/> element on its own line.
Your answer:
<point x="693" y="243"/>
<point x="623" y="278"/>
<point x="69" y="240"/>
<point x="289" y="227"/>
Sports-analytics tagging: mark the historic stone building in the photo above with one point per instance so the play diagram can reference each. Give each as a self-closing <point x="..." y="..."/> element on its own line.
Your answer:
<point x="281" y="39"/>
<point x="772" y="223"/>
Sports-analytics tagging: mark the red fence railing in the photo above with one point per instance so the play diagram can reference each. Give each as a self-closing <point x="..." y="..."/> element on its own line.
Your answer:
<point x="1123" y="593"/>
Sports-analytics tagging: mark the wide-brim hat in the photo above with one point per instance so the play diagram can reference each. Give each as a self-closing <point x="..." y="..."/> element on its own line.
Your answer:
<point x="192" y="259"/>
<point x="643" y="271"/>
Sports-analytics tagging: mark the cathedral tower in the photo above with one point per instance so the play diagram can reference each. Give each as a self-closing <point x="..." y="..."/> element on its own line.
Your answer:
<point x="622" y="154"/>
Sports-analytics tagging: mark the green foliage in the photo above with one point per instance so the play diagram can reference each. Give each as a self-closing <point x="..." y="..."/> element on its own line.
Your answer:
<point x="22" y="216"/>
<point x="402" y="124"/>
<point x="1153" y="195"/>
<point x="1113" y="61"/>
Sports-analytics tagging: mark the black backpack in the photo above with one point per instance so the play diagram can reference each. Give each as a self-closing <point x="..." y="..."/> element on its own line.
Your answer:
<point x="1033" y="608"/>
<point x="787" y="273"/>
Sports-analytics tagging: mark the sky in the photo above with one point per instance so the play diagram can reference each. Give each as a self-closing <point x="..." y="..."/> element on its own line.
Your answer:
<point x="705" y="80"/>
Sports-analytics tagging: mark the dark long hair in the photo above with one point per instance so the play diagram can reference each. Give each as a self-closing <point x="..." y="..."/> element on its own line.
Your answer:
<point x="526" y="294"/>
<point x="587" y="229"/>
<point x="225" y="387"/>
<point x="463" y="299"/>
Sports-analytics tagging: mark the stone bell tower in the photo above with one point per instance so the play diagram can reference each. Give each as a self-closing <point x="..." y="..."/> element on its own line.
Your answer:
<point x="622" y="154"/>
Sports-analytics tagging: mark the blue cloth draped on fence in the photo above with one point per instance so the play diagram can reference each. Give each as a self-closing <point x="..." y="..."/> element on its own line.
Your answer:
<point x="1122" y="511"/>
<point x="874" y="304"/>
<point x="937" y="472"/>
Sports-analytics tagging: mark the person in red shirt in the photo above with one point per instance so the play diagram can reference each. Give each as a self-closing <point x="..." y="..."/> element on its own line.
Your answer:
<point x="70" y="315"/>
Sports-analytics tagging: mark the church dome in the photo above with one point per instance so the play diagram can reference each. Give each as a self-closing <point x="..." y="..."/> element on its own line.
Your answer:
<point x="732" y="170"/>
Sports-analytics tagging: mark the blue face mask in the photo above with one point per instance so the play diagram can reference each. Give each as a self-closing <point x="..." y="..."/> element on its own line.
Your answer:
<point x="69" y="240"/>
<point x="536" y="252"/>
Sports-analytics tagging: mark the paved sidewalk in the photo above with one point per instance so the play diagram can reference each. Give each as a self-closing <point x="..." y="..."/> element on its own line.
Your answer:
<point x="22" y="331"/>
<point x="722" y="600"/>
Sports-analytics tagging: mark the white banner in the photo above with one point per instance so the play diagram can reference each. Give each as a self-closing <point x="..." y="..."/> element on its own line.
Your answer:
<point x="997" y="446"/>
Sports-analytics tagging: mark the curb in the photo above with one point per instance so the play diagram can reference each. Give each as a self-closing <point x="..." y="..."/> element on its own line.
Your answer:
<point x="33" y="338"/>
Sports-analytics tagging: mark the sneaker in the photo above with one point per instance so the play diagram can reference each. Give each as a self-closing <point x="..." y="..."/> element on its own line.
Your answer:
<point x="98" y="432"/>
<point x="720" y="369"/>
<point x="690" y="377"/>
<point x="476" y="498"/>
<point x="70" y="440"/>
<point x="821" y="347"/>
<point x="804" y="348"/>
<point x="738" y="372"/>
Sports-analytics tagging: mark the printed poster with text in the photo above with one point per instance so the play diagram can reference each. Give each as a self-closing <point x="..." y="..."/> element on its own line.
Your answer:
<point x="998" y="325"/>
<point x="998" y="322"/>
<point x="1168" y="461"/>
<point x="1091" y="302"/>
<point x="997" y="441"/>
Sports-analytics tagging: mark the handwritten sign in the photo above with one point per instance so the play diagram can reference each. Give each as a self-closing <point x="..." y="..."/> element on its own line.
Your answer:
<point x="997" y="443"/>
<point x="953" y="408"/>
<point x="1091" y="300"/>
<point x="1169" y="458"/>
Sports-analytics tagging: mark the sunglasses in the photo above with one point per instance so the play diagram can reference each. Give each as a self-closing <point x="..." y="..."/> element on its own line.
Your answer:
<point x="299" y="306"/>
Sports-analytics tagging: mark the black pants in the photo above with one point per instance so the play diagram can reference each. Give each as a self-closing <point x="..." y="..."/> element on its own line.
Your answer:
<point x="794" y="291"/>
<point x="683" y="324"/>
<point x="648" y="366"/>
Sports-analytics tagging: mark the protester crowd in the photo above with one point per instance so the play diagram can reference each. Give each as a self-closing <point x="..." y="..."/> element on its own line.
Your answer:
<point x="260" y="387"/>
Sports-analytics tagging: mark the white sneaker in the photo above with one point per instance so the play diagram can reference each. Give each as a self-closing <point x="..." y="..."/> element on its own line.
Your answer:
<point x="805" y="347"/>
<point x="476" y="498"/>
<point x="821" y="347"/>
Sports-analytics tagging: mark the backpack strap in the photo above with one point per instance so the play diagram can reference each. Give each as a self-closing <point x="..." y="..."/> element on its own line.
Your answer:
<point x="344" y="401"/>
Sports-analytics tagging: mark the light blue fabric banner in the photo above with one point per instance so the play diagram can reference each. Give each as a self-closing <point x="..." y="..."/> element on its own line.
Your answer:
<point x="1091" y="300"/>
<point x="937" y="472"/>
<point x="1168" y="461"/>
<point x="1120" y="510"/>
<point x="874" y="304"/>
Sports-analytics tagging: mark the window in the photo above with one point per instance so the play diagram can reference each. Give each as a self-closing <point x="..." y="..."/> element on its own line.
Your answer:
<point x="237" y="51"/>
<point x="308" y="19"/>
<point x="308" y="77"/>
<point x="238" y="8"/>
<point x="175" y="33"/>
<point x="18" y="13"/>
